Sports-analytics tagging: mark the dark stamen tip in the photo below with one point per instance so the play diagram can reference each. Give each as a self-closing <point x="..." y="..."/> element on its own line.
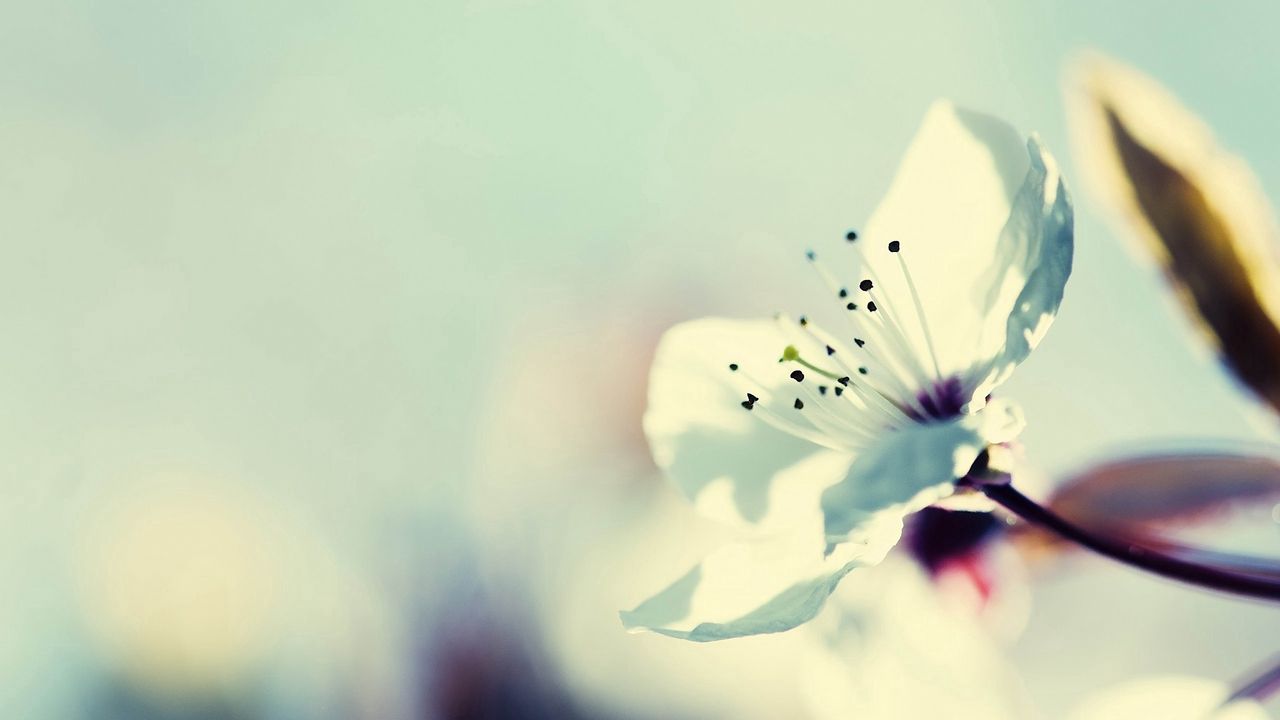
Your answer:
<point x="859" y="342"/>
<point x="839" y="391"/>
<point x="851" y="235"/>
<point x="844" y="293"/>
<point x="831" y="350"/>
<point x="865" y="285"/>
<point x="799" y="405"/>
<point x="809" y="255"/>
<point x="862" y="370"/>
<point x="797" y="375"/>
<point x="733" y="367"/>
<point x="844" y="380"/>
<point x="822" y="389"/>
<point x="851" y="306"/>
<point x="895" y="246"/>
<point x="871" y="306"/>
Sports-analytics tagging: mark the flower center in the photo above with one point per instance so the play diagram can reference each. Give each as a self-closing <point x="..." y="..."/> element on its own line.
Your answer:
<point x="887" y="378"/>
<point x="945" y="401"/>
<point x="895" y="338"/>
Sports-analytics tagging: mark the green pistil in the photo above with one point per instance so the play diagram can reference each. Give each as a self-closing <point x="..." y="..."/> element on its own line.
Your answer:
<point x="791" y="354"/>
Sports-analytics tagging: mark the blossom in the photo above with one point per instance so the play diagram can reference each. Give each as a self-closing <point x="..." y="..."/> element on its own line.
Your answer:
<point x="900" y="645"/>
<point x="571" y="520"/>
<point x="820" y="443"/>
<point x="1175" y="697"/>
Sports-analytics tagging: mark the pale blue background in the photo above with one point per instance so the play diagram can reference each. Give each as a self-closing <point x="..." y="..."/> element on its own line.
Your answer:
<point x="286" y="244"/>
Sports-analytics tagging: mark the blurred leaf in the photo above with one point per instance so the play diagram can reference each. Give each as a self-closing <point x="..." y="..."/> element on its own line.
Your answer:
<point x="1209" y="225"/>
<point x="1138" y="499"/>
<point x="1136" y="493"/>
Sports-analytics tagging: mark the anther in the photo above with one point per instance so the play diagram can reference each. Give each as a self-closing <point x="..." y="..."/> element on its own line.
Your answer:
<point x="831" y="350"/>
<point x="839" y="391"/>
<point x="865" y="285"/>
<point x="803" y="321"/>
<point x="809" y="255"/>
<point x="822" y="389"/>
<point x="799" y="405"/>
<point x="843" y="381"/>
<point x="851" y="235"/>
<point x="871" y="306"/>
<point x="859" y="342"/>
<point x="844" y="292"/>
<point x="895" y="246"/>
<point x="733" y="367"/>
<point x="862" y="371"/>
<point x="797" y="375"/>
<point x="851" y="306"/>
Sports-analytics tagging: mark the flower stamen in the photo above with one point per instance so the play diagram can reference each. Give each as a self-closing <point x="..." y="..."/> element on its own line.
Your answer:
<point x="866" y="395"/>
<point x="899" y="348"/>
<point x="895" y="248"/>
<point x="850" y="418"/>
<point x="759" y="402"/>
<point x="791" y="354"/>
<point x="886" y="318"/>
<point x="912" y="387"/>
<point x="835" y="416"/>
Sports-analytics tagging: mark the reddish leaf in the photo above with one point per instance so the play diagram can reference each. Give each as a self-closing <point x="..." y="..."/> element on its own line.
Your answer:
<point x="1137" y="493"/>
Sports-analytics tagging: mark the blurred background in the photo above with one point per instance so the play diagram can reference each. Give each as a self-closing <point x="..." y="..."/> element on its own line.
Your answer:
<point x="327" y="329"/>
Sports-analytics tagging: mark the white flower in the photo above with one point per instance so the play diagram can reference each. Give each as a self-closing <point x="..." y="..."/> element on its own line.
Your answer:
<point x="899" y="646"/>
<point x="822" y="442"/>
<point x="1169" y="697"/>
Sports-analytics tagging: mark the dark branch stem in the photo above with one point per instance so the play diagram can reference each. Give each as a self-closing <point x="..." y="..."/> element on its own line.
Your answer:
<point x="1261" y="685"/>
<point x="1132" y="554"/>
<point x="1244" y="564"/>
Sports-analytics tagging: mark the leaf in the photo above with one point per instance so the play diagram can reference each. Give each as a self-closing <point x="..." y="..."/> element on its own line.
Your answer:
<point x="1134" y="495"/>
<point x="1200" y="209"/>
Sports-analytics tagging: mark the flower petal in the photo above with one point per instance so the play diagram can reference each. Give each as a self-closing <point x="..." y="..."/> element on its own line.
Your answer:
<point x="1199" y="209"/>
<point x="897" y="645"/>
<point x="1173" y="697"/>
<point x="1034" y="262"/>
<point x="984" y="225"/>
<point x="766" y="586"/>
<point x="728" y="461"/>
<point x="914" y="468"/>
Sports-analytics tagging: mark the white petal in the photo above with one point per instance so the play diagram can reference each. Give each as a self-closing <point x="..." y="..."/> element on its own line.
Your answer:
<point x="729" y="462"/>
<point x="898" y="646"/>
<point x="1170" y="698"/>
<point x="985" y="227"/>
<point x="1035" y="255"/>
<point x="914" y="468"/>
<point x="766" y="586"/>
